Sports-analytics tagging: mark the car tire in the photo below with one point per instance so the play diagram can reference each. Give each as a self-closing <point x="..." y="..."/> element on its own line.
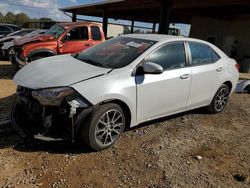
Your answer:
<point x="103" y="126"/>
<point x="220" y="100"/>
<point x="11" y="51"/>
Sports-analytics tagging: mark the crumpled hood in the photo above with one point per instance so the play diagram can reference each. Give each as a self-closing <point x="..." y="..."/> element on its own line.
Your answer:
<point x="56" y="71"/>
<point x="9" y="38"/>
<point x="32" y="38"/>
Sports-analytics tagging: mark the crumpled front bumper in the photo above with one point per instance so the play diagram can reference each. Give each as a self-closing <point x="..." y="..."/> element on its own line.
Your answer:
<point x="15" y="60"/>
<point x="32" y="120"/>
<point x="29" y="118"/>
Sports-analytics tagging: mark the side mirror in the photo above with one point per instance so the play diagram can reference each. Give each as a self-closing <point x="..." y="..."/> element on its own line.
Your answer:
<point x="152" y="68"/>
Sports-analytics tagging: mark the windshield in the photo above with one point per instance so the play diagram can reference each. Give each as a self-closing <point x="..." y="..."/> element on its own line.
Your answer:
<point x="115" y="53"/>
<point x="55" y="31"/>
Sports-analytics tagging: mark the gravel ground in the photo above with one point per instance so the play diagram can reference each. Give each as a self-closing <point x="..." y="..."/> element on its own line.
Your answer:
<point x="193" y="149"/>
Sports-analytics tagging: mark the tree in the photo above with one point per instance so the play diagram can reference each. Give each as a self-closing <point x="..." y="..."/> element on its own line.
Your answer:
<point x="126" y="30"/>
<point x="21" y="18"/>
<point x="43" y="19"/>
<point x="10" y="18"/>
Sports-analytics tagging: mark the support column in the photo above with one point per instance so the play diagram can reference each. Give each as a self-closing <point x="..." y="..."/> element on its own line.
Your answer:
<point x="74" y="17"/>
<point x="132" y="26"/>
<point x="153" y="29"/>
<point x="165" y="17"/>
<point x="105" y="23"/>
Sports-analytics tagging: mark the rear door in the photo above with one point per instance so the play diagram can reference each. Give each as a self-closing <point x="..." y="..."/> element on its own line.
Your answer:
<point x="96" y="34"/>
<point x="207" y="73"/>
<point x="76" y="40"/>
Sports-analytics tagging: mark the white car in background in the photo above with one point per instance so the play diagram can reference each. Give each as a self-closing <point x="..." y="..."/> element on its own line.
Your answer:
<point x="8" y="44"/>
<point x="95" y="94"/>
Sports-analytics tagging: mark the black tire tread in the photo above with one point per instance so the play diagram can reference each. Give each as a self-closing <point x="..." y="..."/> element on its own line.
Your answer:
<point x="211" y="108"/>
<point x="91" y="120"/>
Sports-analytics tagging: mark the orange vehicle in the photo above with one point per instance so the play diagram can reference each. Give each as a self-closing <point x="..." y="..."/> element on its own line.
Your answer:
<point x="62" y="38"/>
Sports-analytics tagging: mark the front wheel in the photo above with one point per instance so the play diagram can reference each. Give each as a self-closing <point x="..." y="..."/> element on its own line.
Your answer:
<point x="103" y="127"/>
<point x="220" y="100"/>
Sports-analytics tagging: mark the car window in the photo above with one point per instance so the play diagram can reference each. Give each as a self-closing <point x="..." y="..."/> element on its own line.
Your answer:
<point x="215" y="56"/>
<point x="4" y="28"/>
<point x="78" y="33"/>
<point x="56" y="31"/>
<point x="115" y="53"/>
<point x="170" y="56"/>
<point x="14" y="28"/>
<point x="96" y="34"/>
<point x="200" y="53"/>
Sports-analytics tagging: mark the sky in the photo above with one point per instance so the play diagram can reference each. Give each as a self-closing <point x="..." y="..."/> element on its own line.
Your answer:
<point x="49" y="8"/>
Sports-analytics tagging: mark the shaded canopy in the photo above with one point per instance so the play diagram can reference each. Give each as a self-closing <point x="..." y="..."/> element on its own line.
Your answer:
<point x="150" y="10"/>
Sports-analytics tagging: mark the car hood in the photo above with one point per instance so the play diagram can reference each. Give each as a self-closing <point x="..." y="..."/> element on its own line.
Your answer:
<point x="7" y="45"/>
<point x="32" y="38"/>
<point x="56" y="71"/>
<point x="9" y="38"/>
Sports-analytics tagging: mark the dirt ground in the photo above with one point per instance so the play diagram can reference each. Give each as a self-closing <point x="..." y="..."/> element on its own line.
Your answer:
<point x="193" y="149"/>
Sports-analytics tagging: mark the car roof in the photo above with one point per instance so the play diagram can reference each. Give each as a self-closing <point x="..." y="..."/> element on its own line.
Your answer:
<point x="162" y="37"/>
<point x="67" y="25"/>
<point x="8" y="24"/>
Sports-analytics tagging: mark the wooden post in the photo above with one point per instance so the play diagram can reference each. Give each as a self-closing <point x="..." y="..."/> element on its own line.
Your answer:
<point x="132" y="26"/>
<point x="74" y="17"/>
<point x="164" y="17"/>
<point x="105" y="23"/>
<point x="153" y="29"/>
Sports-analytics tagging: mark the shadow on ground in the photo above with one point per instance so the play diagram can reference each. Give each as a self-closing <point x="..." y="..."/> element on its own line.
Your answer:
<point x="10" y="138"/>
<point x="7" y="71"/>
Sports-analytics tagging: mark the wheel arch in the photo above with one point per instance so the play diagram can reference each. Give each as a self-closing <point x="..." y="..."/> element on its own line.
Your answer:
<point x="125" y="108"/>
<point x="45" y="52"/>
<point x="229" y="84"/>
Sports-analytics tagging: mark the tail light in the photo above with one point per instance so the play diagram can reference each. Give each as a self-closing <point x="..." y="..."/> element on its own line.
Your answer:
<point x="237" y="66"/>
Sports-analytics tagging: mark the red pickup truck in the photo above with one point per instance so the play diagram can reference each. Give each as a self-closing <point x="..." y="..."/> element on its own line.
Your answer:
<point x="62" y="38"/>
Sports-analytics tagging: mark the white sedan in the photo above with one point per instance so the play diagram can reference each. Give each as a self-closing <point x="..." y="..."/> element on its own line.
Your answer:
<point x="95" y="94"/>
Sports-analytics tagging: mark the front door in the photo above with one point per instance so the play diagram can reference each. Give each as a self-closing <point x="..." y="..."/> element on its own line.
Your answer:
<point x="76" y="40"/>
<point x="162" y="94"/>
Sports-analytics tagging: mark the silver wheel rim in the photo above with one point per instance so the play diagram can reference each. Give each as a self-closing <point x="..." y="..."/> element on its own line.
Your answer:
<point x="221" y="99"/>
<point x="109" y="127"/>
<point x="11" y="51"/>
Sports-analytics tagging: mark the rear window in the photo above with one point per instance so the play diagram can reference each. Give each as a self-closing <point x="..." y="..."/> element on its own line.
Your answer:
<point x="96" y="34"/>
<point x="202" y="54"/>
<point x="215" y="56"/>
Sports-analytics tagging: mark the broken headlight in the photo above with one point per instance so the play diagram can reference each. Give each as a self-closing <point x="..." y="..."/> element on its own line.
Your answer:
<point x="52" y="96"/>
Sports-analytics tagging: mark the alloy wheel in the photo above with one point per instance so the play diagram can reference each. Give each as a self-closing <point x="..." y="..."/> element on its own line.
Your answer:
<point x="221" y="99"/>
<point x="109" y="127"/>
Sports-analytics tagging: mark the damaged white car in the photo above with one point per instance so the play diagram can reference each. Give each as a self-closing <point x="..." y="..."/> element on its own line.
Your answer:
<point x="93" y="95"/>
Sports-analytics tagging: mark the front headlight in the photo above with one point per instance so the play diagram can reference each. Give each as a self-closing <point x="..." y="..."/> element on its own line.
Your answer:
<point x="52" y="96"/>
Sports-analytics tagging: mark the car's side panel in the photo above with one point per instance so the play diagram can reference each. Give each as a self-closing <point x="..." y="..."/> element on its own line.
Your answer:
<point x="205" y="82"/>
<point x="117" y="85"/>
<point x="162" y="94"/>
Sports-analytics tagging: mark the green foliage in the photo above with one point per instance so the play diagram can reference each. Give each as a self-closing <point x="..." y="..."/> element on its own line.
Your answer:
<point x="20" y="18"/>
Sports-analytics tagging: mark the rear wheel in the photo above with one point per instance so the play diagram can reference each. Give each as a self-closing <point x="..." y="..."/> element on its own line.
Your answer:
<point x="104" y="126"/>
<point x="220" y="100"/>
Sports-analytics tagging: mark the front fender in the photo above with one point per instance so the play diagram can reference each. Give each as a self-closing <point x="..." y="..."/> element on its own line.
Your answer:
<point x="42" y="50"/>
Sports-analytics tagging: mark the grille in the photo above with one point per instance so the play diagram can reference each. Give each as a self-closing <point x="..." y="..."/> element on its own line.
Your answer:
<point x="25" y="92"/>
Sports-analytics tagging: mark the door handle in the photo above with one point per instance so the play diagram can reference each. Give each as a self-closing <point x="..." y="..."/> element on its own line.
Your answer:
<point x="184" y="76"/>
<point x="219" y="69"/>
<point x="86" y="44"/>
